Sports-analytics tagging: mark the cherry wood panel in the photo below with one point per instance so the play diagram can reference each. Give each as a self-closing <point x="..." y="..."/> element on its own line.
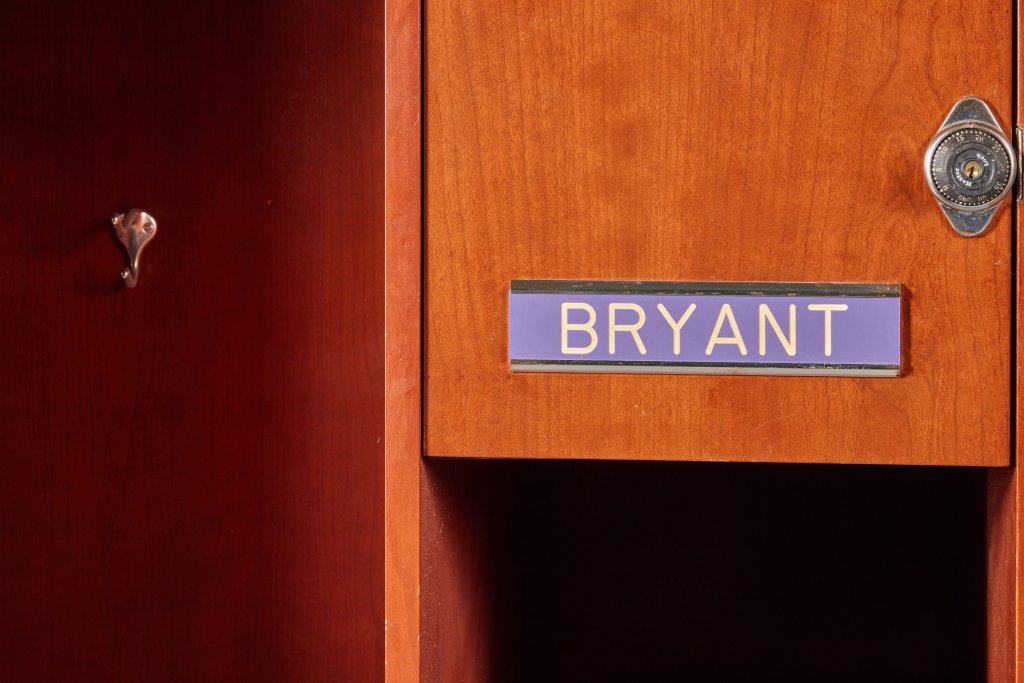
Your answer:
<point x="1006" y="506"/>
<point x="402" y="332"/>
<point x="192" y="471"/>
<point x="776" y="141"/>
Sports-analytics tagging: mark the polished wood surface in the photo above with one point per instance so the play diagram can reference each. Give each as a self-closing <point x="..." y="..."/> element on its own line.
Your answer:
<point x="780" y="141"/>
<point x="193" y="470"/>
<point x="1006" y="504"/>
<point x="402" y="332"/>
<point x="1005" y="590"/>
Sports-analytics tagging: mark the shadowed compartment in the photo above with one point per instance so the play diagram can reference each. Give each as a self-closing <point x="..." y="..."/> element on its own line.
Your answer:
<point x="641" y="571"/>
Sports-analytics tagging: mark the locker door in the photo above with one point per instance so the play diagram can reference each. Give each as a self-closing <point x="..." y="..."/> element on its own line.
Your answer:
<point x="773" y="142"/>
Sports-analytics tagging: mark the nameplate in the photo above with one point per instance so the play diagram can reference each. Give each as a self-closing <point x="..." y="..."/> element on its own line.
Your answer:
<point x="705" y="328"/>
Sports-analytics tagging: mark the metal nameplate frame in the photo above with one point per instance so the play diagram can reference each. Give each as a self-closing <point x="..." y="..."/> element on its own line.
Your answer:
<point x="733" y="328"/>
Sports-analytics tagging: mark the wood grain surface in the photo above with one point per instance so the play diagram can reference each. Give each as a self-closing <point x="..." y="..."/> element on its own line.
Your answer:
<point x="1006" y="505"/>
<point x="1005" y="543"/>
<point x="776" y="141"/>
<point x="192" y="471"/>
<point x="402" y="332"/>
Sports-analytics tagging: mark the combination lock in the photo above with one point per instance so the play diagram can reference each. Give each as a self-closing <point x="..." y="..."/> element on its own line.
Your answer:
<point x="970" y="166"/>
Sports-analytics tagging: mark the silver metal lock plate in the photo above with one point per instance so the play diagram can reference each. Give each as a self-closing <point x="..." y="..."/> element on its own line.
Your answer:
<point x="970" y="166"/>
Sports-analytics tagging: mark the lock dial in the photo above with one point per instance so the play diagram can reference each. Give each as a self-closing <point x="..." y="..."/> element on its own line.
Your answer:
<point x="970" y="166"/>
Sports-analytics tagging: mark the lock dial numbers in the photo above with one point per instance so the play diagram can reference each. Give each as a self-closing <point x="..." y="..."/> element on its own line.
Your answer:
<point x="971" y="168"/>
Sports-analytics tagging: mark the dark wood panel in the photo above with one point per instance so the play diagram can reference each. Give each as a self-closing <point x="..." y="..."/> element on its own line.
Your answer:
<point x="725" y="141"/>
<point x="192" y="480"/>
<point x="463" y="511"/>
<point x="1002" y="591"/>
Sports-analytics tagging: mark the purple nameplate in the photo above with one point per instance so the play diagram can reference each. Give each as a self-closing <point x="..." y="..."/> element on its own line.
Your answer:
<point x="704" y="328"/>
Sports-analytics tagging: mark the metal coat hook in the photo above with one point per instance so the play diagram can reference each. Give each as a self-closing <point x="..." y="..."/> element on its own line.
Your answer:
<point x="134" y="230"/>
